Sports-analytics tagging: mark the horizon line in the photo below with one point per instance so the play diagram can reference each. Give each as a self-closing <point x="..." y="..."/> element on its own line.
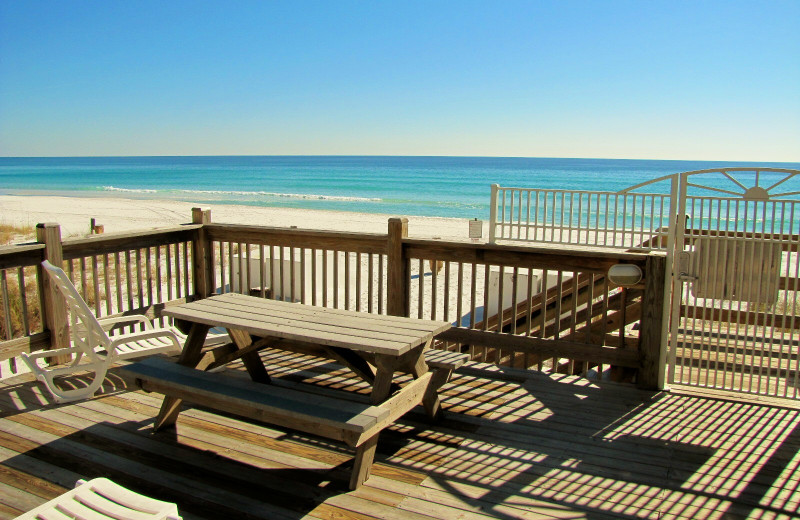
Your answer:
<point x="388" y="156"/>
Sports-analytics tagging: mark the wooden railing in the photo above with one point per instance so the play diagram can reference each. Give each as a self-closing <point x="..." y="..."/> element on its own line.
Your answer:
<point x="529" y="308"/>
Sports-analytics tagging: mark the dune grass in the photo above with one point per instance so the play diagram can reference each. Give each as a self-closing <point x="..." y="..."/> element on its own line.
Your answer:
<point x="10" y="233"/>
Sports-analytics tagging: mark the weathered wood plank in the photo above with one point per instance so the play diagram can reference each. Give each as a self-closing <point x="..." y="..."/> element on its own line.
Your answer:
<point x="21" y="255"/>
<point x="569" y="259"/>
<point x="119" y="242"/>
<point x="306" y="238"/>
<point x="32" y="343"/>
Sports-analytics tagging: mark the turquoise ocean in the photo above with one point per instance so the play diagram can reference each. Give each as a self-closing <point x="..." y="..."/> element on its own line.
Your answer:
<point x="425" y="186"/>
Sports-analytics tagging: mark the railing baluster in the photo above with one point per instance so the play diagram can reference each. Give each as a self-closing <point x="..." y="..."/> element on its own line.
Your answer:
<point x="324" y="277"/>
<point x="186" y="269"/>
<point x="158" y="274"/>
<point x="303" y="275"/>
<point x="149" y="267"/>
<point x="335" y="279"/>
<point x="272" y="262"/>
<point x="421" y="287"/>
<point x="381" y="277"/>
<point x="370" y="282"/>
<point x="358" y="281"/>
<point x="107" y="285"/>
<point x="23" y="294"/>
<point x="6" y="304"/>
<point x="262" y="272"/>
<point x="139" y="285"/>
<point x="434" y="288"/>
<point x="248" y="274"/>
<point x="83" y="279"/>
<point x="346" y="256"/>
<point x="446" y="297"/>
<point x="292" y="297"/>
<point x="314" y="275"/>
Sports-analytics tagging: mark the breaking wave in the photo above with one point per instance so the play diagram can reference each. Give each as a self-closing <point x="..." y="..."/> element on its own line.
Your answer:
<point x="301" y="196"/>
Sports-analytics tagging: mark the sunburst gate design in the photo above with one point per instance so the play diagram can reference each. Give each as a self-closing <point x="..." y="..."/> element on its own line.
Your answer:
<point x="756" y="191"/>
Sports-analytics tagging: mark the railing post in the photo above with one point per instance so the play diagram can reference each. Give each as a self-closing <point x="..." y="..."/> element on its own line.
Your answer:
<point x="397" y="300"/>
<point x="54" y="309"/>
<point x="652" y="350"/>
<point x="203" y="262"/>
<point x="493" y="213"/>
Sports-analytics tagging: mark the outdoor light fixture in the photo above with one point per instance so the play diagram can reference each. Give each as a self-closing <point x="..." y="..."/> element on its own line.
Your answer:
<point x="624" y="274"/>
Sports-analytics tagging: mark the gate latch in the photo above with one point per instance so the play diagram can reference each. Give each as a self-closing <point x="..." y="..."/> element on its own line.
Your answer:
<point x="684" y="261"/>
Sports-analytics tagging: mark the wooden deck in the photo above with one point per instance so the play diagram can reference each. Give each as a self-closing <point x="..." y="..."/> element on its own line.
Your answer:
<point x="534" y="447"/>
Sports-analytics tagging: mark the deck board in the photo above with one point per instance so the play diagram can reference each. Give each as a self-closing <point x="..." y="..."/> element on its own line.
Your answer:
<point x="540" y="447"/>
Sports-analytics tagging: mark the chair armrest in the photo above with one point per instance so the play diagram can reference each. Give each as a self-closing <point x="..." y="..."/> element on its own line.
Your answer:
<point x="108" y="323"/>
<point x="49" y="353"/>
<point x="135" y="336"/>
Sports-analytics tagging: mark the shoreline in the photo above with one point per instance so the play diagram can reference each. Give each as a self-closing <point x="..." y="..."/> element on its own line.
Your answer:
<point x="125" y="214"/>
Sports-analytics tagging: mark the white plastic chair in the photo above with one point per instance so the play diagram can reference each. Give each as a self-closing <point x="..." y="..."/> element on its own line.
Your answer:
<point x="101" y="498"/>
<point x="95" y="351"/>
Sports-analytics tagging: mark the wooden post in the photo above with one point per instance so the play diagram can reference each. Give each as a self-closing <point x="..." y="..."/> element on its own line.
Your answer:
<point x="397" y="300"/>
<point x="54" y="309"/>
<point x="652" y="364"/>
<point x="203" y="268"/>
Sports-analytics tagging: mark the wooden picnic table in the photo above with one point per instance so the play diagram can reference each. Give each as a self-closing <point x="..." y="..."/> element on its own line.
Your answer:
<point x="357" y="339"/>
<point x="375" y="347"/>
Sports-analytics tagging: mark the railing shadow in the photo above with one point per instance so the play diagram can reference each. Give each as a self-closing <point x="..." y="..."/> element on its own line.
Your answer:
<point x="673" y="457"/>
<point x="23" y="393"/>
<point x="516" y="470"/>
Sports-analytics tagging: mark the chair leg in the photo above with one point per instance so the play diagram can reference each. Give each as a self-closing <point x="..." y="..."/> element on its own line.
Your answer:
<point x="365" y="455"/>
<point x="76" y="394"/>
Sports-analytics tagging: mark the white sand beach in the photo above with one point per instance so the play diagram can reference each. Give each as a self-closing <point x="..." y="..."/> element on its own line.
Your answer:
<point x="120" y="214"/>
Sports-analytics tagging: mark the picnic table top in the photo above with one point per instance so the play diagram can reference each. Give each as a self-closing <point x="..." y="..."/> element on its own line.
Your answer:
<point x="359" y="331"/>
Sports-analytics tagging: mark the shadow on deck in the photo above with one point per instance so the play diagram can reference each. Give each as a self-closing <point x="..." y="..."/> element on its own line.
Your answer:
<point x="533" y="447"/>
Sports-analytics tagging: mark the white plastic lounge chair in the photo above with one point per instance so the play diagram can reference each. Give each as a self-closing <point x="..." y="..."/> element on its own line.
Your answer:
<point x="101" y="498"/>
<point x="94" y="350"/>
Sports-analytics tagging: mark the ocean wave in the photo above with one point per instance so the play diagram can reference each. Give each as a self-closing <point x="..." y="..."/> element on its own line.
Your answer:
<point x="303" y="196"/>
<point x="128" y="190"/>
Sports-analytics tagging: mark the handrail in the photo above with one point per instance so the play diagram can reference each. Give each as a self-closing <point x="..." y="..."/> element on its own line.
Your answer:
<point x="126" y="241"/>
<point x="267" y="235"/>
<point x="21" y="255"/>
<point x="574" y="258"/>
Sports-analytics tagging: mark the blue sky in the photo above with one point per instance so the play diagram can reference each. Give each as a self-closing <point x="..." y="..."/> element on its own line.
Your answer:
<point x="618" y="79"/>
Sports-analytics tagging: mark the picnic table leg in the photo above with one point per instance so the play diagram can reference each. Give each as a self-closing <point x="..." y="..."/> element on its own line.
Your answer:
<point x="252" y="361"/>
<point x="431" y="400"/>
<point x="382" y="387"/>
<point x="365" y="455"/>
<point x="412" y="362"/>
<point x="418" y="367"/>
<point x="190" y="356"/>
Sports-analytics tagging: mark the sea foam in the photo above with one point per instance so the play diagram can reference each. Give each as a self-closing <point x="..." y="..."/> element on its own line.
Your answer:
<point x="303" y="196"/>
